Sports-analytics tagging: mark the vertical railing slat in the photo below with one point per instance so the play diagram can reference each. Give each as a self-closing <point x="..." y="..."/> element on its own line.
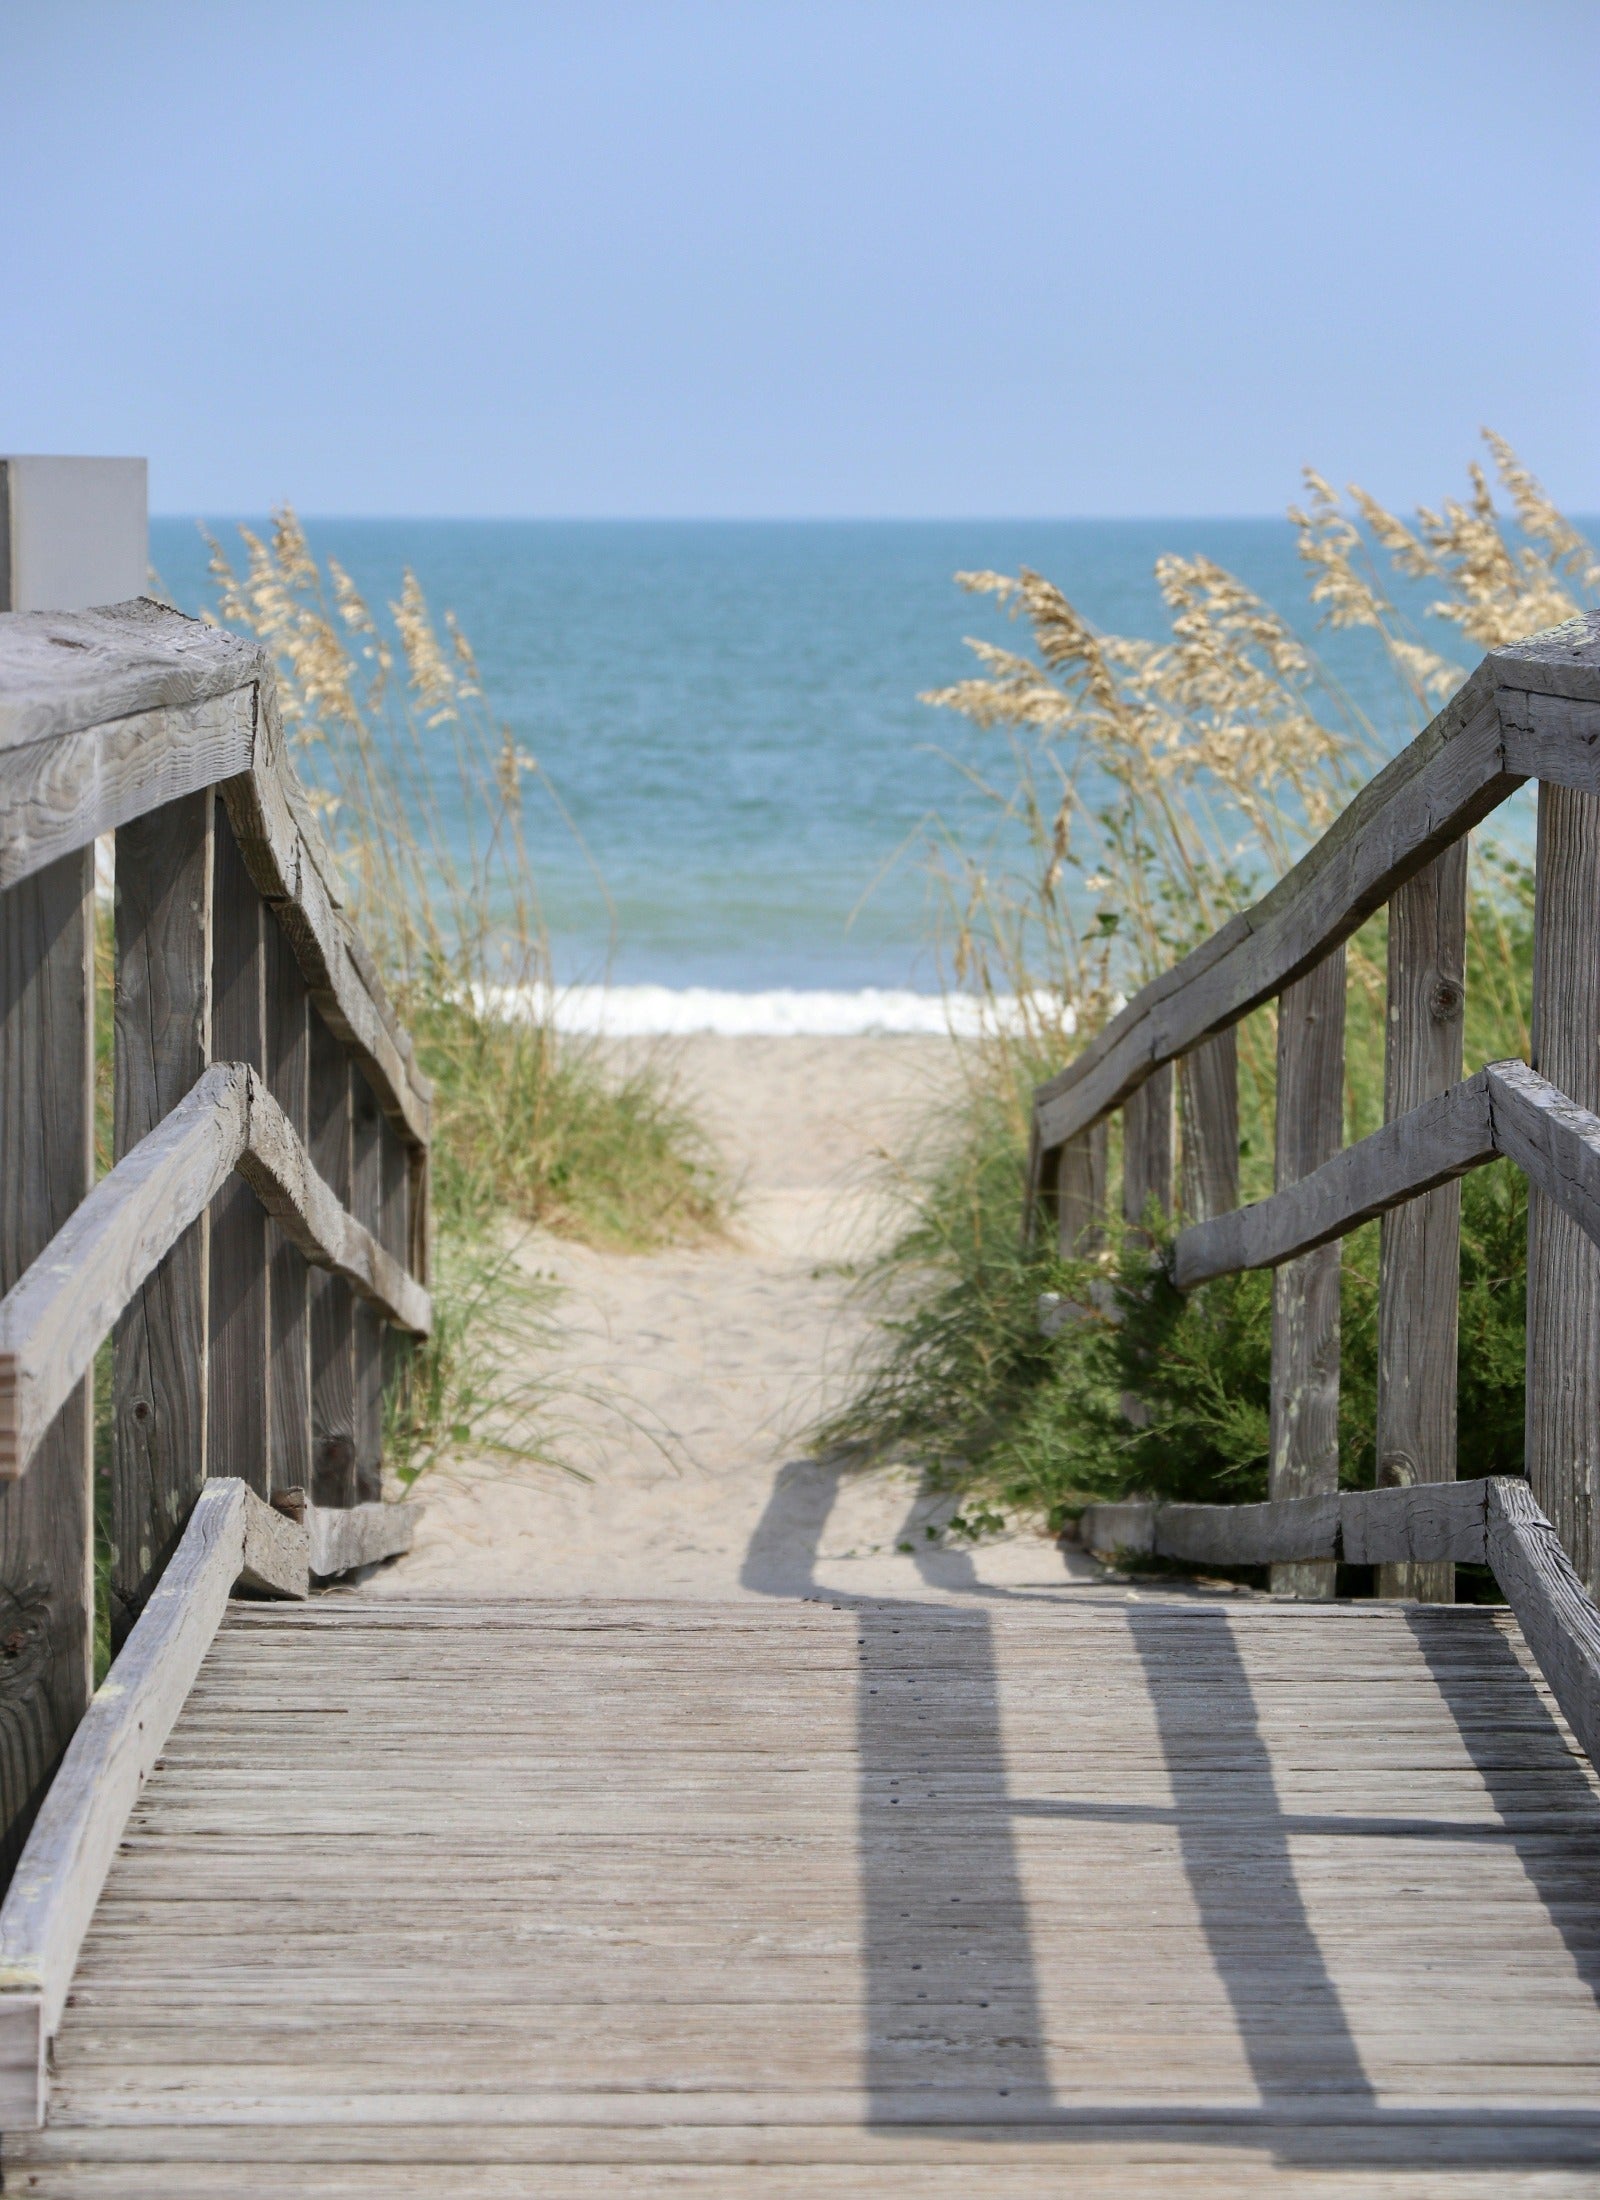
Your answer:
<point x="333" y="1407"/>
<point x="239" y="1422"/>
<point x="1208" y="1087"/>
<point x="366" y="1204"/>
<point x="1563" y="1333"/>
<point x="1081" y="1170"/>
<point x="288" y="1076"/>
<point x="1419" y="1279"/>
<point x="163" y="1039"/>
<point x="47" y="1113"/>
<point x="1304" y="1460"/>
<point x="1147" y="1148"/>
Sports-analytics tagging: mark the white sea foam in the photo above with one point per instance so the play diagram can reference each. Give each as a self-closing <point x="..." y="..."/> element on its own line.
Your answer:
<point x="640" y="1011"/>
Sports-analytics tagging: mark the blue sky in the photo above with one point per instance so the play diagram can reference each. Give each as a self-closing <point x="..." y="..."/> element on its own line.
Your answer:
<point x="707" y="259"/>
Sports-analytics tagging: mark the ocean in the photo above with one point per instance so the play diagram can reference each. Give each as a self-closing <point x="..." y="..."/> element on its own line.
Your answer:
<point x="729" y="713"/>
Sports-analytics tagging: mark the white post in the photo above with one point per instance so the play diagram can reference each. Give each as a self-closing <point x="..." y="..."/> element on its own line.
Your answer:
<point x="74" y="532"/>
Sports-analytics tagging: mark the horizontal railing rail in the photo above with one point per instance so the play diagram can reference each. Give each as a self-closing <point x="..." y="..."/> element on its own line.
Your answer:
<point x="1494" y="1522"/>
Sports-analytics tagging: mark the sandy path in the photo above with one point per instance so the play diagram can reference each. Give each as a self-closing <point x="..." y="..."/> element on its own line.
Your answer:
<point x="694" y="1374"/>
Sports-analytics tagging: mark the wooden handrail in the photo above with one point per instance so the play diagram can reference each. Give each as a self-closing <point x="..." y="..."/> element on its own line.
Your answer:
<point x="1530" y="711"/>
<point x="259" y="1250"/>
<point x="107" y="715"/>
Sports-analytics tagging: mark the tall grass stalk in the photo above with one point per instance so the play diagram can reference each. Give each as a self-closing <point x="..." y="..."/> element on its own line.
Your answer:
<point x="423" y="798"/>
<point x="1154" y="788"/>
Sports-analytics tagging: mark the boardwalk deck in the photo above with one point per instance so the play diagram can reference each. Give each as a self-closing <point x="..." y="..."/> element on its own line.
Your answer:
<point x="1100" y="1892"/>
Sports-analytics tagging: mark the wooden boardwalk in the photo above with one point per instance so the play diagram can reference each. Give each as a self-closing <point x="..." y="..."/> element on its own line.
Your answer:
<point x="1101" y="1892"/>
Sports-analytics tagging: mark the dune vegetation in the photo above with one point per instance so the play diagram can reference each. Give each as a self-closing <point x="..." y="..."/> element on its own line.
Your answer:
<point x="1153" y="788"/>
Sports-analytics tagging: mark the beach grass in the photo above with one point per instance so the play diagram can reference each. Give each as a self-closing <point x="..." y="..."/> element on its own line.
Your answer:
<point x="1161" y="785"/>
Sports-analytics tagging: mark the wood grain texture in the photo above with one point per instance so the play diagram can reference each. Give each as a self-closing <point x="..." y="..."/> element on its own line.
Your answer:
<point x="1081" y="1169"/>
<point x="1304" y="1459"/>
<point x="1419" y="1283"/>
<point x="58" y="1878"/>
<point x="1428" y="1524"/>
<point x="1436" y="1142"/>
<point x="366" y="1204"/>
<point x="333" y="1368"/>
<point x="1563" y="1320"/>
<point x="1553" y="1141"/>
<point x="1114" y="1895"/>
<point x="163" y="1044"/>
<point x="344" y="1537"/>
<point x="289" y="1081"/>
<point x="46" y="1167"/>
<point x="1433" y="792"/>
<point x="239" y="1413"/>
<point x="1208" y="1092"/>
<point x="1553" y="1608"/>
<point x="1147" y="1149"/>
<point x="105" y="715"/>
<point x="65" y="672"/>
<point x="59" y="794"/>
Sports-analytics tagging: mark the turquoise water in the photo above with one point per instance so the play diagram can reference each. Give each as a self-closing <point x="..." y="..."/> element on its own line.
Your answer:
<point x="729" y="711"/>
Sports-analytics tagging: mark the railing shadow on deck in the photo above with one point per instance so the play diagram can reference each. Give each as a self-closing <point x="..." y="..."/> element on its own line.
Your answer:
<point x="951" y="1977"/>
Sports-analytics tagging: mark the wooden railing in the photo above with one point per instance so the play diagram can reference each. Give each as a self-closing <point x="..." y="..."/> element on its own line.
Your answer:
<point x="1531" y="711"/>
<point x="258" y="1251"/>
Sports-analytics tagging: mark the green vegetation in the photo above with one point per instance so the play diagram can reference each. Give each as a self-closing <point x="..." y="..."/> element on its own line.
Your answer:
<point x="1161" y="785"/>
<point x="529" y="1127"/>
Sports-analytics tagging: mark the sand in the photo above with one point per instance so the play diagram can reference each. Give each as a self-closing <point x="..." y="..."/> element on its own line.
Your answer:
<point x="690" y="1378"/>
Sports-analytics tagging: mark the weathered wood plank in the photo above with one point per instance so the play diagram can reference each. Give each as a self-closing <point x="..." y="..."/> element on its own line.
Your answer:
<point x="1451" y="776"/>
<point x="1147" y="1149"/>
<point x="1208" y="1091"/>
<point x="1553" y="1141"/>
<point x="239" y="1414"/>
<point x="1419" y="1283"/>
<point x="346" y="1536"/>
<point x="1563" y="1319"/>
<point x="60" y="794"/>
<point x="1427" y="1524"/>
<point x="333" y="1367"/>
<point x="59" y="1876"/>
<point x="1081" y="1168"/>
<point x="47" y="1118"/>
<point x="1552" y="1605"/>
<point x="1290" y="1530"/>
<point x="366" y="1204"/>
<point x="163" y="1040"/>
<point x="1438" y="1141"/>
<point x="66" y="672"/>
<point x="1304" y="1459"/>
<point x="288" y="1080"/>
<point x="55" y="1315"/>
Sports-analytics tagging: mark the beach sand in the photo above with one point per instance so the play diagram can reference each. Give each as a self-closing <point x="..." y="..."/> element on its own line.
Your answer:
<point x="689" y="1378"/>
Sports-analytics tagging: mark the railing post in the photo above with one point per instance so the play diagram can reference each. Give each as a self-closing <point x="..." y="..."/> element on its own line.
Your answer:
<point x="46" y="1170"/>
<point x="1081" y="1168"/>
<point x="1208" y="1085"/>
<point x="1305" y="1292"/>
<point x="333" y="1392"/>
<point x="163" y="1042"/>
<point x="288" y="1077"/>
<point x="1419" y="1276"/>
<point x="366" y="1204"/>
<point x="1147" y="1148"/>
<point x="239" y="1420"/>
<point x="1563" y="1365"/>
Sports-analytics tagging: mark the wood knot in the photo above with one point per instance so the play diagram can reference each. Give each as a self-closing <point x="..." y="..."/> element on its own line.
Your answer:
<point x="1444" y="999"/>
<point x="1396" y="1471"/>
